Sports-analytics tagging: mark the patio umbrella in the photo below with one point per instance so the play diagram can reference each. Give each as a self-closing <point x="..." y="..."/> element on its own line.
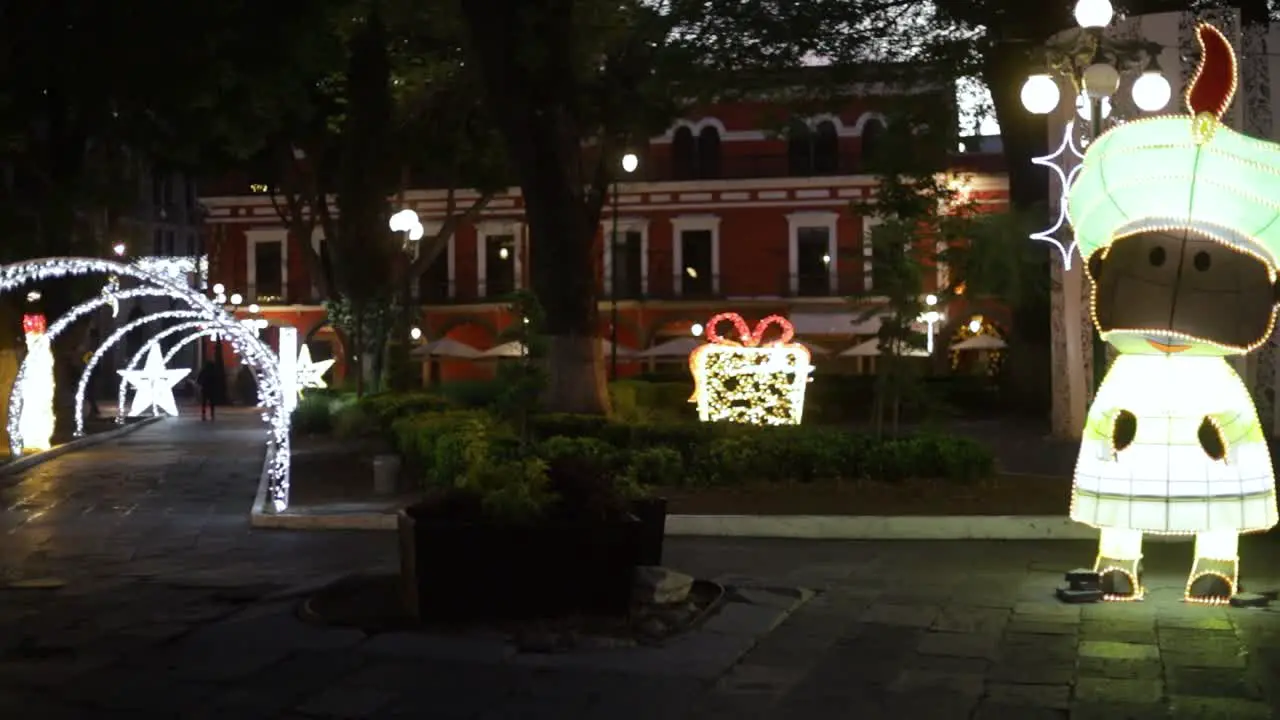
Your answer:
<point x="871" y="348"/>
<point x="677" y="348"/>
<point x="981" y="342"/>
<point x="445" y="348"/>
<point x="515" y="349"/>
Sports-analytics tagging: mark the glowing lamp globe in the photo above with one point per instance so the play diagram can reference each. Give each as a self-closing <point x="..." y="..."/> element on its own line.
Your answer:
<point x="1040" y="94"/>
<point x="403" y="220"/>
<point x="696" y="329"/>
<point x="975" y="325"/>
<point x="1151" y="91"/>
<point x="415" y="333"/>
<point x="219" y="288"/>
<point x="236" y="298"/>
<point x="630" y="162"/>
<point x="1101" y="80"/>
<point x="1093" y="13"/>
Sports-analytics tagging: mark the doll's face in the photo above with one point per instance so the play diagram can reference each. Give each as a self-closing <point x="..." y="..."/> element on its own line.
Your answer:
<point x="1179" y="292"/>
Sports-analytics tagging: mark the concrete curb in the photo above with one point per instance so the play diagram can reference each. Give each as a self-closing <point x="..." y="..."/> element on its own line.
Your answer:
<point x="28" y="461"/>
<point x="796" y="527"/>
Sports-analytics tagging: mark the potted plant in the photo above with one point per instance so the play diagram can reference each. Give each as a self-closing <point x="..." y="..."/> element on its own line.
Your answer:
<point x="513" y="537"/>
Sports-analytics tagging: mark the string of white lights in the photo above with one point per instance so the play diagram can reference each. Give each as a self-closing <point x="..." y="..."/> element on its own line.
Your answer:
<point x="1054" y="162"/>
<point x="109" y="343"/>
<point x="251" y="350"/>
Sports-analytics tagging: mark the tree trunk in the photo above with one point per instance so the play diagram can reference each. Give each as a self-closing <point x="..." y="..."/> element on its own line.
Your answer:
<point x="563" y="279"/>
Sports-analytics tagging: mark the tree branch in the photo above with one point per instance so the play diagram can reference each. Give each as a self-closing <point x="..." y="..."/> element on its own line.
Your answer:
<point x="428" y="254"/>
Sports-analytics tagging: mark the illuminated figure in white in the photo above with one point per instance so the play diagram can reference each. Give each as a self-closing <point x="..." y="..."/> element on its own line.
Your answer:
<point x="37" y="419"/>
<point x="1178" y="218"/>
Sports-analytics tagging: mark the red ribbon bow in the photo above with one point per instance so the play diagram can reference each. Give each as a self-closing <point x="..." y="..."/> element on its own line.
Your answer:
<point x="750" y="338"/>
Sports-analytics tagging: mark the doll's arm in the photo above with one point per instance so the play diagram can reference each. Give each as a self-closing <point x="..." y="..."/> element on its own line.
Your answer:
<point x="1222" y="433"/>
<point x="1111" y="431"/>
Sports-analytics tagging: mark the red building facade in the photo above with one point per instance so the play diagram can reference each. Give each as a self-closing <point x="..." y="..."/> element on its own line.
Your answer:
<point x="721" y="215"/>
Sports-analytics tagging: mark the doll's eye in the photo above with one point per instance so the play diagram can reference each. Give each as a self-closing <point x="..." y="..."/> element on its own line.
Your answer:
<point x="1156" y="256"/>
<point x="1202" y="261"/>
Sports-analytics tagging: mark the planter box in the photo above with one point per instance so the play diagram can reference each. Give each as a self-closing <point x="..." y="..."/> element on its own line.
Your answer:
<point x="460" y="571"/>
<point x="652" y="514"/>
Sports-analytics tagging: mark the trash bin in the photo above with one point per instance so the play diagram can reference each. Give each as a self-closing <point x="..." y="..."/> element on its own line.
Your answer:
<point x="386" y="470"/>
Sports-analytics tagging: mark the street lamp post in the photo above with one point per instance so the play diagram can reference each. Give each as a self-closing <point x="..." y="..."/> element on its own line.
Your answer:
<point x="1088" y="61"/>
<point x="629" y="164"/>
<point x="407" y="222"/>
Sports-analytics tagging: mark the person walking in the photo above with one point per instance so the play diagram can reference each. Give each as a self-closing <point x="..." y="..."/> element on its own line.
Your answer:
<point x="210" y="381"/>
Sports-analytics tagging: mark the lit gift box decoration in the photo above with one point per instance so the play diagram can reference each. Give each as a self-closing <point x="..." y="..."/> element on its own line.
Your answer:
<point x="746" y="379"/>
<point x="1178" y="218"/>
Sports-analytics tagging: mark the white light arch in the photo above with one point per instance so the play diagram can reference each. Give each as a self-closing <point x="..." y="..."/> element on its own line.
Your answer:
<point x="187" y="340"/>
<point x="109" y="343"/>
<point x="245" y="343"/>
<point x="75" y="313"/>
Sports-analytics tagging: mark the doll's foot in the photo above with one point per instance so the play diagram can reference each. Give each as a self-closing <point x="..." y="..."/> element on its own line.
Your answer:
<point x="1212" y="582"/>
<point x="1121" y="580"/>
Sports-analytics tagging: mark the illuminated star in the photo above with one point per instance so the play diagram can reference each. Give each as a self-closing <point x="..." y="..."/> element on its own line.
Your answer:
<point x="154" y="383"/>
<point x="311" y="374"/>
<point x="1065" y="179"/>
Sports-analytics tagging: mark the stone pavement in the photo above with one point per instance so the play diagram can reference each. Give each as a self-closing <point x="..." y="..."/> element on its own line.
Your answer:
<point x="132" y="587"/>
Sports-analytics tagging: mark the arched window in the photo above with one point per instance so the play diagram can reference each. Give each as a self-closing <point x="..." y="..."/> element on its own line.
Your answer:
<point x="872" y="131"/>
<point x="826" y="149"/>
<point x="683" y="151"/>
<point x="799" y="148"/>
<point x="708" y="153"/>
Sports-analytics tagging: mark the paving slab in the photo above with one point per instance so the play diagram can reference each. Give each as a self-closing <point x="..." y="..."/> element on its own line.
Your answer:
<point x="169" y="604"/>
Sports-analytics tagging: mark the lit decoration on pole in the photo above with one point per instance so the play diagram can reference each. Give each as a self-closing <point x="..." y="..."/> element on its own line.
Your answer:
<point x="1176" y="218"/>
<point x="111" y="341"/>
<point x="37" y="418"/>
<point x="288" y="357"/>
<point x="748" y="380"/>
<point x="1054" y="161"/>
<point x="930" y="318"/>
<point x="153" y="385"/>
<point x="250" y="349"/>
<point x="310" y="373"/>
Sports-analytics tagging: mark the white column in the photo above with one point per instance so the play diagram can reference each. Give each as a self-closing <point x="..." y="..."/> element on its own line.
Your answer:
<point x="288" y="366"/>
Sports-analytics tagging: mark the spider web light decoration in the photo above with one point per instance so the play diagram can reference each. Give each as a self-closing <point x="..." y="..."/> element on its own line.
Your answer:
<point x="1054" y="161"/>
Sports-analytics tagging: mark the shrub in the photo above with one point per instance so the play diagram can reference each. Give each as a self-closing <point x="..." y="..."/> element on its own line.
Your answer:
<point x="351" y="421"/>
<point x="594" y="454"/>
<point x="640" y="401"/>
<point x="386" y="408"/>
<point x="312" y="415"/>
<point x="655" y="466"/>
<point x="416" y="436"/>
<point x="470" y="393"/>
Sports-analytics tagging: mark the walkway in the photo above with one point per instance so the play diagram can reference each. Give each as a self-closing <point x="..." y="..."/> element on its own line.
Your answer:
<point x="159" y="604"/>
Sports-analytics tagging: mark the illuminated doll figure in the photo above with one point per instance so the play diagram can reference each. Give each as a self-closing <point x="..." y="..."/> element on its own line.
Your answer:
<point x="35" y="424"/>
<point x="1179" y="220"/>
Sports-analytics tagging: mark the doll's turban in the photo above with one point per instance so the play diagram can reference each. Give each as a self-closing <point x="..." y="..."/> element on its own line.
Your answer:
<point x="1183" y="172"/>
